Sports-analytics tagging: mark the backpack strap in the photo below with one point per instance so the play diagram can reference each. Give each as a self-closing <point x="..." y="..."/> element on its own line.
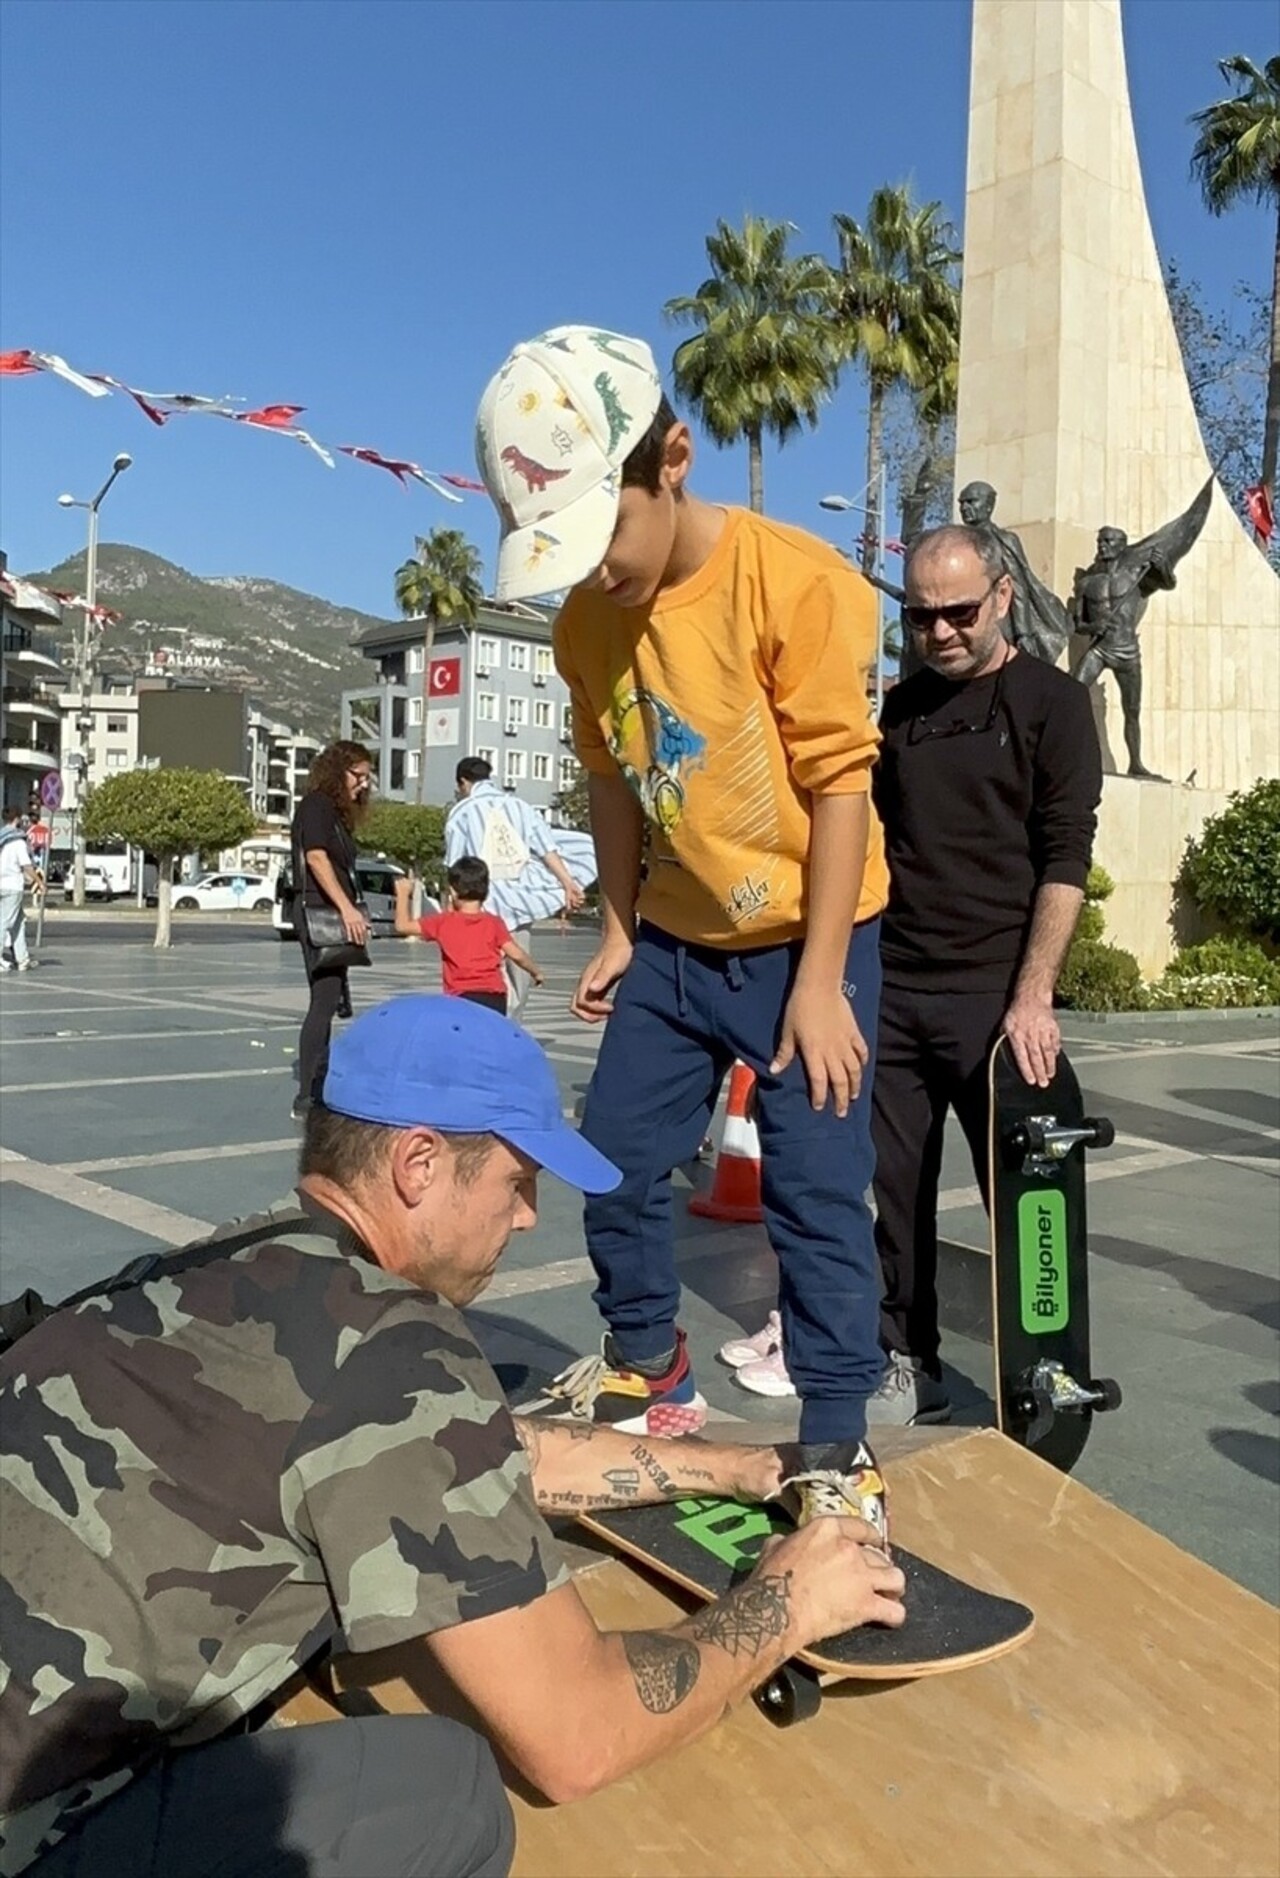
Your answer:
<point x="23" y="1313"/>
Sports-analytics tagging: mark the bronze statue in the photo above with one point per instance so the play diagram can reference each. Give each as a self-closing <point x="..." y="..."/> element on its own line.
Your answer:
<point x="1109" y="599"/>
<point x="1037" y="618"/>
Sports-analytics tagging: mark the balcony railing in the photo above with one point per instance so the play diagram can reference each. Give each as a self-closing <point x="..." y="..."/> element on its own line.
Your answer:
<point x="24" y="648"/>
<point x="28" y="697"/>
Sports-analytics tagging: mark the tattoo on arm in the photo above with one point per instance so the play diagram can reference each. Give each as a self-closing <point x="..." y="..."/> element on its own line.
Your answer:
<point x="624" y="1482"/>
<point x="663" y="1668"/>
<point x="749" y="1618"/>
<point x="669" y="1489"/>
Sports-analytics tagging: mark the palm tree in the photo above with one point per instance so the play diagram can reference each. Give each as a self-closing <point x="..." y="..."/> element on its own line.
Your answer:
<point x="935" y="404"/>
<point x="762" y="361"/>
<point x="442" y="585"/>
<point x="894" y="300"/>
<point x="1237" y="156"/>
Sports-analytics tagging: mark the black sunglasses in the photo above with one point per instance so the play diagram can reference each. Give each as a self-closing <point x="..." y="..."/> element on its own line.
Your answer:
<point x="961" y="615"/>
<point x="921" y="730"/>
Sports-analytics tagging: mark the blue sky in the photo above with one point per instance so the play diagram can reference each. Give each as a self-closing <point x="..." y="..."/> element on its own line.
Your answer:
<point x="359" y="205"/>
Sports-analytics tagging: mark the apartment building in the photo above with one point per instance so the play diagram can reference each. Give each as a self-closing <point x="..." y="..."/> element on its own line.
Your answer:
<point x="30" y="668"/>
<point x="280" y="758"/>
<point x="110" y="714"/>
<point x="490" y="689"/>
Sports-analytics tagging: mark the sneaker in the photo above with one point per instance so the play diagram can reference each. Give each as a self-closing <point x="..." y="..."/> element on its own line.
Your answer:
<point x="840" y="1481"/>
<point x="742" y="1350"/>
<point x="767" y="1376"/>
<point x="27" y="965"/>
<point x="603" y="1390"/>
<point x="908" y="1396"/>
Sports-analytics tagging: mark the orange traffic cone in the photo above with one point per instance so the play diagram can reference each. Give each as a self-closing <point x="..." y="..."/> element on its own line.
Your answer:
<point x="735" y="1190"/>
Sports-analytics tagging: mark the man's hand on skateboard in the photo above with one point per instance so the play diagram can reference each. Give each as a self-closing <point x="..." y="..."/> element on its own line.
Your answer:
<point x="838" y="1578"/>
<point x="1035" y="1038"/>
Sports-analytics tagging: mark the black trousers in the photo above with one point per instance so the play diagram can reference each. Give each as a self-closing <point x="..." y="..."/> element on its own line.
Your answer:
<point x="382" y="1797"/>
<point x="330" y="998"/>
<point x="491" y="1000"/>
<point x="931" y="1056"/>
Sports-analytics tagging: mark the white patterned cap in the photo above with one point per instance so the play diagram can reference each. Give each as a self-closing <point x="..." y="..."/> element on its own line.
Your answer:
<point x="555" y="426"/>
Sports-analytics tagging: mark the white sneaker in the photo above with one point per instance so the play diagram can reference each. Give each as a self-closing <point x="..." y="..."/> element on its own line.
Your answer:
<point x="742" y="1350"/>
<point x="767" y="1377"/>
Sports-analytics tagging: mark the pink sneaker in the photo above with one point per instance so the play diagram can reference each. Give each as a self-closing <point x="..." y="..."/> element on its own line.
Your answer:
<point x="767" y="1377"/>
<point x="742" y="1350"/>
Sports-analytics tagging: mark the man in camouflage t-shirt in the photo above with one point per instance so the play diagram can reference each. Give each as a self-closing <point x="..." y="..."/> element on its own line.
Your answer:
<point x="285" y="1441"/>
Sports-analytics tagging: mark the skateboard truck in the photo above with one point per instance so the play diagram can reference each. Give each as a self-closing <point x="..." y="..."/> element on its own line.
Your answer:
<point x="1048" y="1390"/>
<point x="1042" y="1142"/>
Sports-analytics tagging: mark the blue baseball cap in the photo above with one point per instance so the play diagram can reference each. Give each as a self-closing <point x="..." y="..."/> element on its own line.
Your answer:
<point x="424" y="1062"/>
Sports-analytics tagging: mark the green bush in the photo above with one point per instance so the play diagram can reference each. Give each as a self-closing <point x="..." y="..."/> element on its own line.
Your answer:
<point x="1098" y="886"/>
<point x="1090" y="925"/>
<point x="1244" y="958"/>
<point x="1221" y="974"/>
<point x="1100" y="977"/>
<point x="1232" y="870"/>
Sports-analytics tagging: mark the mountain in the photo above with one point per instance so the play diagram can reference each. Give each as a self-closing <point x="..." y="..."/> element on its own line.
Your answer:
<point x="290" y="650"/>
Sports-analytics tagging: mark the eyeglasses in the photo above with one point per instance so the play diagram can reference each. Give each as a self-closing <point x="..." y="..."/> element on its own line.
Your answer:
<point x="922" y="730"/>
<point x="962" y="615"/>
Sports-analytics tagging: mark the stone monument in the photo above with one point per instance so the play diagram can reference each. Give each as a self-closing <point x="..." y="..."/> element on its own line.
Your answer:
<point x="1074" y="404"/>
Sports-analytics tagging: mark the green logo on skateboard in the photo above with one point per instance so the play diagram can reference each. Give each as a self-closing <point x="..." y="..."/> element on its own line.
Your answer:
<point x="1042" y="1256"/>
<point x="731" y="1533"/>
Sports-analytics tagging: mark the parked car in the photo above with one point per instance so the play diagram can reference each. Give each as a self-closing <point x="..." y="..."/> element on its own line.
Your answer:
<point x="96" y="884"/>
<point x="225" y="893"/>
<point x="376" y="881"/>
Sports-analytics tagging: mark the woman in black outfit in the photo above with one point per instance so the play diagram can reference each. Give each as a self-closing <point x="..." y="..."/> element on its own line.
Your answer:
<point x="323" y="835"/>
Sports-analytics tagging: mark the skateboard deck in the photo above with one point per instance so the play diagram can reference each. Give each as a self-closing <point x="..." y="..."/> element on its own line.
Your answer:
<point x="710" y="1545"/>
<point x="1046" y="1393"/>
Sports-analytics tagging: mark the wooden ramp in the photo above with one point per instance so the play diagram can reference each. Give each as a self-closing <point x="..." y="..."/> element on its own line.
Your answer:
<point x="1137" y="1732"/>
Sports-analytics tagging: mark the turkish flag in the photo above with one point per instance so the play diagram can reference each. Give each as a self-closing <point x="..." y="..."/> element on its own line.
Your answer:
<point x="445" y="678"/>
<point x="1258" y="502"/>
<point x="271" y="416"/>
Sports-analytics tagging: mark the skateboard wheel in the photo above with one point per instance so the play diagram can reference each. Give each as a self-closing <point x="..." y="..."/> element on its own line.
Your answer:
<point x="790" y="1695"/>
<point x="1110" y="1393"/>
<point x="1104" y="1131"/>
<point x="1042" y="1417"/>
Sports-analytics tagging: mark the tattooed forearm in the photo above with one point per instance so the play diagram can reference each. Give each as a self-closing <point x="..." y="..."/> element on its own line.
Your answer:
<point x="621" y="1471"/>
<point x="663" y="1668"/>
<point x="749" y="1618"/>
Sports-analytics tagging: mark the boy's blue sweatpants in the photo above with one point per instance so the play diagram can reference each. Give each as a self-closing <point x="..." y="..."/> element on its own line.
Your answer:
<point x="681" y="1014"/>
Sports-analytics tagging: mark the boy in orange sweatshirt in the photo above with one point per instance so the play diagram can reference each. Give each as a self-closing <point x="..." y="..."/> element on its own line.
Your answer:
<point x="718" y="664"/>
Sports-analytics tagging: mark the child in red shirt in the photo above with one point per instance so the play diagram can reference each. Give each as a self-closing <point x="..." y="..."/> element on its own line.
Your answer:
<point x="472" y="943"/>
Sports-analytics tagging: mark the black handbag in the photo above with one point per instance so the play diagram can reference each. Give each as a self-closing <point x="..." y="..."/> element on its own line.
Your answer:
<point x="322" y="930"/>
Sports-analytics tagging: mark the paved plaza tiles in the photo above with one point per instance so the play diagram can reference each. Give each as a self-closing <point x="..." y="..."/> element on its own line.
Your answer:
<point x="144" y="1096"/>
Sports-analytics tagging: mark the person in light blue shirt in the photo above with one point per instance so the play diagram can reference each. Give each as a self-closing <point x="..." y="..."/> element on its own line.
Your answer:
<point x="533" y="870"/>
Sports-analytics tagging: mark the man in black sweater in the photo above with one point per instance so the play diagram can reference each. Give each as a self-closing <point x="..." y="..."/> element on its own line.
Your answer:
<point x="988" y="787"/>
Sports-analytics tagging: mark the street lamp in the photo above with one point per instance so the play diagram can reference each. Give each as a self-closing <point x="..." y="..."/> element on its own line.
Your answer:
<point x="84" y="658"/>
<point x="872" y="557"/>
